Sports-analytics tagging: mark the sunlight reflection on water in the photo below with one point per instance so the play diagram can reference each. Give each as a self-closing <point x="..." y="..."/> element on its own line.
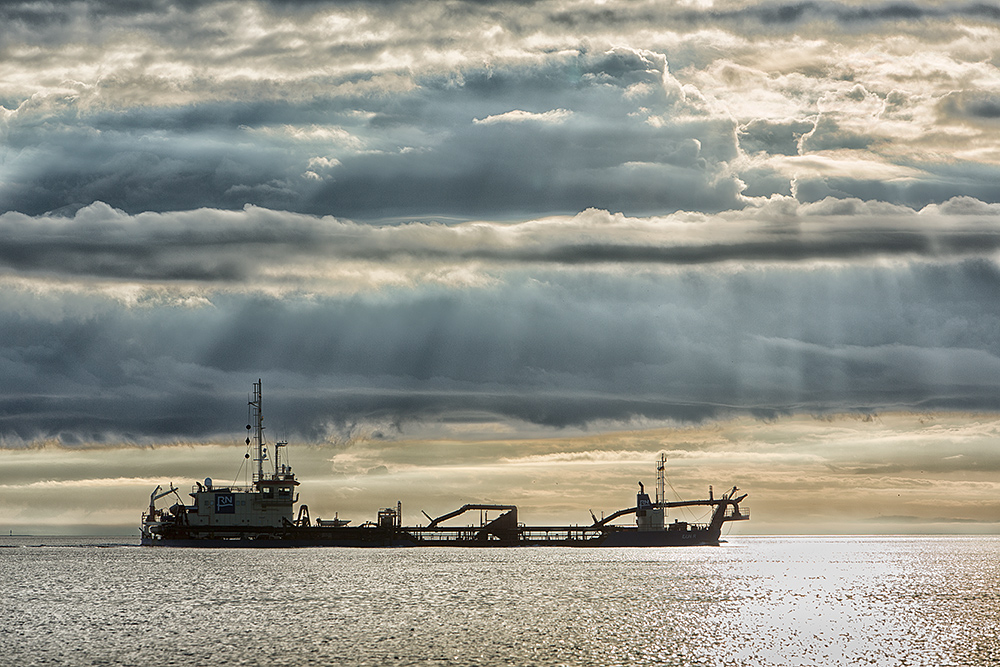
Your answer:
<point x="755" y="601"/>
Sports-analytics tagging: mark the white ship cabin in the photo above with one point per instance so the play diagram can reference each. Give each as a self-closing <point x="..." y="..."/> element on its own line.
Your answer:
<point x="647" y="515"/>
<point x="269" y="502"/>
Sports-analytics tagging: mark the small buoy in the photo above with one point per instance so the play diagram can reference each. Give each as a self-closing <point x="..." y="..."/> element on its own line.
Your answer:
<point x="248" y="441"/>
<point x="246" y="456"/>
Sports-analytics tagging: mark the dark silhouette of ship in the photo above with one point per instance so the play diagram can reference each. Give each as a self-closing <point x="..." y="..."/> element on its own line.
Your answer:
<point x="263" y="515"/>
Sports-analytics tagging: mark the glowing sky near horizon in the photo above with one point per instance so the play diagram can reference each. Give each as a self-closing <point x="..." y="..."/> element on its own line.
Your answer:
<point x="528" y="235"/>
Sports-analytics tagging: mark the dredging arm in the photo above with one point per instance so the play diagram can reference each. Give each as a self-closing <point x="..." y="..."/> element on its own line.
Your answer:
<point x="466" y="508"/>
<point x="726" y="499"/>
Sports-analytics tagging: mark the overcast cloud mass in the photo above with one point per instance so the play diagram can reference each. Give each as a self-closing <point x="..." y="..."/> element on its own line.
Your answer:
<point x="531" y="218"/>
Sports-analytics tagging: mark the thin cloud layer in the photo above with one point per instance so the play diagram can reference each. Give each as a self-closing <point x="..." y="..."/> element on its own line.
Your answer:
<point x="256" y="249"/>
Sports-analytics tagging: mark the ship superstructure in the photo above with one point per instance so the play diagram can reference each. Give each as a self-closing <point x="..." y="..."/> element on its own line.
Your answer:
<point x="263" y="514"/>
<point x="223" y="511"/>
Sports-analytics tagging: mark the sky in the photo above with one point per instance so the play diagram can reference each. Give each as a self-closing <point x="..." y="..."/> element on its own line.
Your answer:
<point x="504" y="252"/>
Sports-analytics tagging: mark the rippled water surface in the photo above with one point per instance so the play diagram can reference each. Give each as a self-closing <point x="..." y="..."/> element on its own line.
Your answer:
<point x="754" y="601"/>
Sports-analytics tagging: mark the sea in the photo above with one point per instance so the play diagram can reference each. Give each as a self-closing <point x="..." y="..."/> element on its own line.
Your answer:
<point x="754" y="601"/>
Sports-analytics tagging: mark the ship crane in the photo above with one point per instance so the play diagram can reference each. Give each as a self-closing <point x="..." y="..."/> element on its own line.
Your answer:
<point x="156" y="495"/>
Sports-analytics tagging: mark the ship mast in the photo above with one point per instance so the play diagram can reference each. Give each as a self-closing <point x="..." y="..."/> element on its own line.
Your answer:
<point x="661" y="467"/>
<point x="258" y="431"/>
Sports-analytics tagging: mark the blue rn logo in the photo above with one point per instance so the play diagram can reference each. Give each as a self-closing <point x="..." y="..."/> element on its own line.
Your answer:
<point x="225" y="503"/>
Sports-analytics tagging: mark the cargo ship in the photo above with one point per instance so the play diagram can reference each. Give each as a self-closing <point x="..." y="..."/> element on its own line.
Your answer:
<point x="263" y="514"/>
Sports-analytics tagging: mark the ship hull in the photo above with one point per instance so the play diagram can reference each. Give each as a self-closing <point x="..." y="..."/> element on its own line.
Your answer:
<point x="362" y="537"/>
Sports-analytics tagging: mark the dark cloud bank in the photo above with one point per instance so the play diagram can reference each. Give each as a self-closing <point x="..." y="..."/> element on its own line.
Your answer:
<point x="550" y="348"/>
<point x="426" y="151"/>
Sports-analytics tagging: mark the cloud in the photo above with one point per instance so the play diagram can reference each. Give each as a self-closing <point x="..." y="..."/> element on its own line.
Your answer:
<point x="964" y="206"/>
<point x="777" y="137"/>
<point x="557" y="343"/>
<point x="518" y="116"/>
<point x="260" y="249"/>
<point x="976" y="106"/>
<point x="419" y="109"/>
<point x="386" y="155"/>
